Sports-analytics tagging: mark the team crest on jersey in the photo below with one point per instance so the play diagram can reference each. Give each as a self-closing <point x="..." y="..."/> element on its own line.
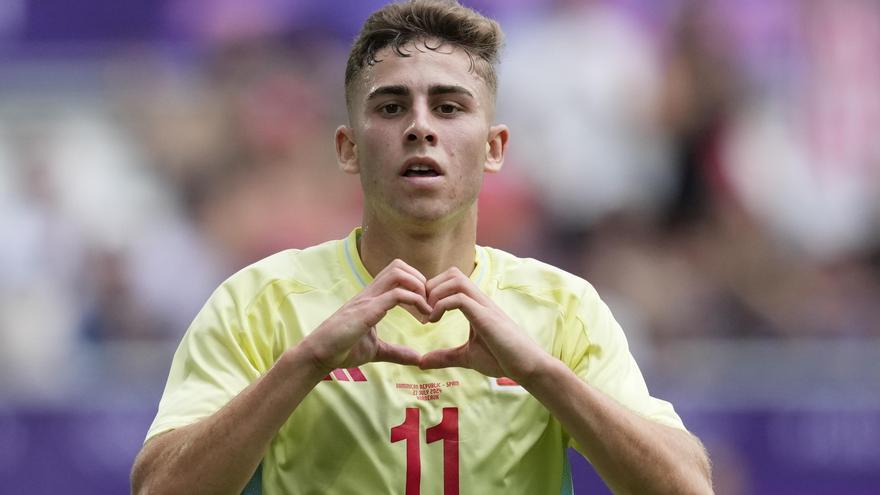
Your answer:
<point x="346" y="375"/>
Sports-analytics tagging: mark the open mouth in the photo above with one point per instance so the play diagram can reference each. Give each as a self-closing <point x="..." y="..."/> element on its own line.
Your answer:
<point x="421" y="166"/>
<point x="419" y="170"/>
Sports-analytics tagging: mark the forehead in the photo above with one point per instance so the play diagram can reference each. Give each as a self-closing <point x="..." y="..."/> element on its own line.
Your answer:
<point x="422" y="68"/>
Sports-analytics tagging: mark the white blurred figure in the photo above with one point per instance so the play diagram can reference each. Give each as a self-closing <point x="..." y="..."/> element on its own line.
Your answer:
<point x="589" y="133"/>
<point x="805" y="159"/>
<point x="75" y="186"/>
<point x="39" y="262"/>
<point x="122" y="207"/>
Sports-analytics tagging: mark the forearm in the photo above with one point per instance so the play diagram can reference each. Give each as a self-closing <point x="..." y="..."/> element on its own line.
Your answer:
<point x="631" y="453"/>
<point x="220" y="453"/>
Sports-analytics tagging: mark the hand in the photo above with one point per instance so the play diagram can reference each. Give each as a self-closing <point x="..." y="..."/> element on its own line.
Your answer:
<point x="496" y="345"/>
<point x="348" y="338"/>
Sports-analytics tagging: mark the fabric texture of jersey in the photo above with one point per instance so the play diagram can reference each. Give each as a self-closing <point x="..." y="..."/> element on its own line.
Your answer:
<point x="366" y="429"/>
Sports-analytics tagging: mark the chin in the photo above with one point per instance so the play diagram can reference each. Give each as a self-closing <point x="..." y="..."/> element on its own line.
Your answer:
<point x="430" y="217"/>
<point x="423" y="212"/>
<point x="424" y="217"/>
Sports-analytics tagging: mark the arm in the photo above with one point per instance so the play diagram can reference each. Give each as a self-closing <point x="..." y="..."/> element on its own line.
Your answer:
<point x="631" y="453"/>
<point x="219" y="453"/>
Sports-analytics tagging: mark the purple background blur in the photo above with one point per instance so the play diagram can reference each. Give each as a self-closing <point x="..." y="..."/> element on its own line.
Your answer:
<point x="711" y="167"/>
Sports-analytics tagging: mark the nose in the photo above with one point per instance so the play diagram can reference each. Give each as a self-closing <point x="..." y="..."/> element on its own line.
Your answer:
<point x="420" y="130"/>
<point x="414" y="136"/>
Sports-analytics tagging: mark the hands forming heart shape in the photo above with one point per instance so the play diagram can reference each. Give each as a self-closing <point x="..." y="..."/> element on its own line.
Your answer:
<point x="495" y="346"/>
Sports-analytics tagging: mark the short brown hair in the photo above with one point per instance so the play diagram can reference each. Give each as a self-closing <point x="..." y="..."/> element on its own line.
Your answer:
<point x="447" y="21"/>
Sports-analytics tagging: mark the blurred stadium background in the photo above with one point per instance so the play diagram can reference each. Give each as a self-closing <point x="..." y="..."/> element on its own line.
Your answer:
<point x="711" y="166"/>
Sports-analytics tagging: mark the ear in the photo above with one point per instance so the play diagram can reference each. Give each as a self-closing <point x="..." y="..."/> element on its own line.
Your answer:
<point x="346" y="150"/>
<point x="496" y="147"/>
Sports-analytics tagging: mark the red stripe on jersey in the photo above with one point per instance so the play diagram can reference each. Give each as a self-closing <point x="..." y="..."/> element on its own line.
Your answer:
<point x="356" y="374"/>
<point x="340" y="375"/>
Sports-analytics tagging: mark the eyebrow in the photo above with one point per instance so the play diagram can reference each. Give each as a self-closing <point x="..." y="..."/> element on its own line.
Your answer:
<point x="394" y="90"/>
<point x="401" y="90"/>
<point x="445" y="89"/>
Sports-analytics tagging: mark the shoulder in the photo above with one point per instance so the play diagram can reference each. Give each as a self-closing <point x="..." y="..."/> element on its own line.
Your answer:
<point x="290" y="271"/>
<point x="540" y="280"/>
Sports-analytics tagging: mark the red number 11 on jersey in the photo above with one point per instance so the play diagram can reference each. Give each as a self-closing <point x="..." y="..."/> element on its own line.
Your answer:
<point x="446" y="430"/>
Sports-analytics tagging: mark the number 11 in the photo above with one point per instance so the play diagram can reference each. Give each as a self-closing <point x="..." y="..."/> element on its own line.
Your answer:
<point x="446" y="430"/>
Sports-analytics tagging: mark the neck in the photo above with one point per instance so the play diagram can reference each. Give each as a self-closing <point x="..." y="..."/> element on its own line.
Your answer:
<point x="429" y="249"/>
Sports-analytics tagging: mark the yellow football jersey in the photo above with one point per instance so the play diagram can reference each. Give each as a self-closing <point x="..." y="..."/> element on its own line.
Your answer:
<point x="387" y="428"/>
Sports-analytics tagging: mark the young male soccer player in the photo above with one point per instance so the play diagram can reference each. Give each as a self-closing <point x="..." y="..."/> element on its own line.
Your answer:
<point x="404" y="358"/>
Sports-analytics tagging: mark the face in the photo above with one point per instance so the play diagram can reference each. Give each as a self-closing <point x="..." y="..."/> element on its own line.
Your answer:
<point x="421" y="135"/>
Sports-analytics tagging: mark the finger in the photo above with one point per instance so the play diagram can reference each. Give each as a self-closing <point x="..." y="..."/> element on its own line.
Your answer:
<point x="442" y="277"/>
<point x="407" y="281"/>
<point x="458" y="300"/>
<point x="383" y="303"/>
<point x="395" y="353"/>
<point x="400" y="295"/>
<point x="409" y="268"/>
<point x="450" y="282"/>
<point x="452" y="286"/>
<point x="394" y="277"/>
<point x="398" y="265"/>
<point x="445" y="358"/>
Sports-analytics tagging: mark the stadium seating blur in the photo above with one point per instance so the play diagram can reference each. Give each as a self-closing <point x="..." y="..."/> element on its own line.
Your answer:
<point x="710" y="166"/>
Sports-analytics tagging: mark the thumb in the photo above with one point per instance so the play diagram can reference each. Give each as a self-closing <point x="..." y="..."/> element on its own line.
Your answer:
<point x="394" y="353"/>
<point x="445" y="358"/>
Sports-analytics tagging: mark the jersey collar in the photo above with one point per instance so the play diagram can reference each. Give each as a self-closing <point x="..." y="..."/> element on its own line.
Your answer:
<point x="361" y="277"/>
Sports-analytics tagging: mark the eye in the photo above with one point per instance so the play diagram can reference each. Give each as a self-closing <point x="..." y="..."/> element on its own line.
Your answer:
<point x="448" y="108"/>
<point x="391" y="109"/>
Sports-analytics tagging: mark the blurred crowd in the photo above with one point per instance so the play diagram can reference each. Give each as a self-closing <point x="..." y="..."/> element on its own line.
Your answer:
<point x="710" y="166"/>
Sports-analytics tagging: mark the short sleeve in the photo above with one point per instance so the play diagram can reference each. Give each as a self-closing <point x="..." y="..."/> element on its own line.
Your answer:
<point x="599" y="354"/>
<point x="219" y="356"/>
